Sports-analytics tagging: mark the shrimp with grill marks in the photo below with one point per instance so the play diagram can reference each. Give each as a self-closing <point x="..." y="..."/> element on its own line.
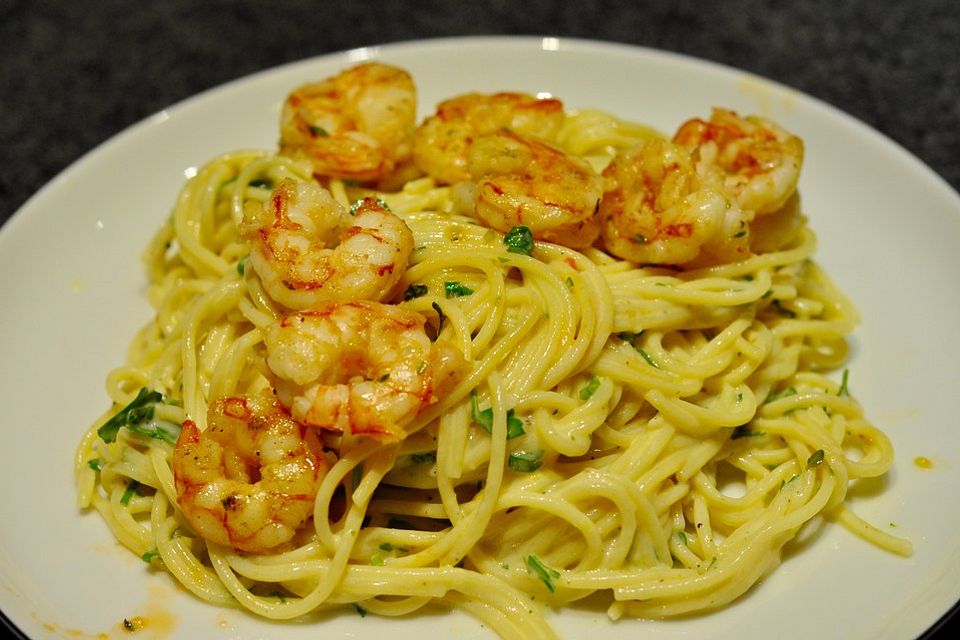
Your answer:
<point x="523" y="181"/>
<point x="360" y="367"/>
<point x="249" y="480"/>
<point x="441" y="144"/>
<point x="659" y="210"/>
<point x="307" y="249"/>
<point x="357" y="125"/>
<point x="758" y="161"/>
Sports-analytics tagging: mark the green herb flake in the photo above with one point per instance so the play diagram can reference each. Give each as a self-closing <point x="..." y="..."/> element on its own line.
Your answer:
<point x="519" y="240"/>
<point x="357" y="475"/>
<point x="261" y="183"/>
<point x="682" y="536"/>
<point x="150" y="556"/>
<point x="415" y="291"/>
<point x="318" y="131"/>
<point x="456" y="289"/>
<point x="242" y="266"/>
<point x="815" y="459"/>
<point x="783" y="393"/>
<point x="629" y="337"/>
<point x="525" y="461"/>
<point x="129" y="492"/>
<point x="844" y="390"/>
<point x="647" y="357"/>
<point x="542" y="571"/>
<point x="96" y="464"/>
<point x="744" y="431"/>
<point x="360" y="610"/>
<point x="569" y="282"/>
<point x="440" y="316"/>
<point x="138" y="417"/>
<point x="484" y="419"/>
<point x="782" y="310"/>
<point x="590" y="388"/>
<point x="423" y="458"/>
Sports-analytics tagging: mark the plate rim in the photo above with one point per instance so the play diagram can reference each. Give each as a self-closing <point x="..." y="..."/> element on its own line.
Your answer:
<point x="566" y="44"/>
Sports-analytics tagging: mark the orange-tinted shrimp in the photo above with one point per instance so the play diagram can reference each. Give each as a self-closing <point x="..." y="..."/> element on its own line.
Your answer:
<point x="356" y="125"/>
<point x="249" y="480"/>
<point x="758" y="161"/>
<point x="360" y="367"/>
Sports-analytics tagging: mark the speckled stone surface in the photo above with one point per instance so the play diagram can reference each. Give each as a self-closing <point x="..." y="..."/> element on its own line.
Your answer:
<point x="75" y="73"/>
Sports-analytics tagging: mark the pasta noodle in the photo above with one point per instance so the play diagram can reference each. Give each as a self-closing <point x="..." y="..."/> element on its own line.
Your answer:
<point x="677" y="427"/>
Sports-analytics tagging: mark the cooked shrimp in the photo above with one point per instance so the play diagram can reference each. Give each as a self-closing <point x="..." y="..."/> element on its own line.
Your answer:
<point x="759" y="162"/>
<point x="360" y="367"/>
<point x="307" y="249"/>
<point x="441" y="143"/>
<point x="356" y="125"/>
<point x="249" y="480"/>
<point x="518" y="181"/>
<point x="660" y="211"/>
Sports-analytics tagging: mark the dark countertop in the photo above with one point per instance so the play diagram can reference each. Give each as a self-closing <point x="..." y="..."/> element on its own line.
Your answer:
<point x="74" y="73"/>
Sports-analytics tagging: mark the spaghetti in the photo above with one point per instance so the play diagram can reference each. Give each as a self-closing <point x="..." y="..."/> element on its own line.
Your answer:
<point x="652" y="433"/>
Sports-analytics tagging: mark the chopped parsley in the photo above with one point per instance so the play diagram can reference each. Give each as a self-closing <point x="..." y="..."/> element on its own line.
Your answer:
<point x="744" y="431"/>
<point x="629" y="337"/>
<point x="456" y="289"/>
<point x="542" y="571"/>
<point x="815" y="459"/>
<point x="783" y="393"/>
<point x="415" y="291"/>
<point x="440" y="316"/>
<point x="844" y="390"/>
<point x="484" y="419"/>
<point x="129" y="492"/>
<point x="357" y="475"/>
<point x="782" y="310"/>
<point x="590" y="388"/>
<point x="525" y="461"/>
<point x="423" y="458"/>
<point x="261" y="183"/>
<point x="318" y="132"/>
<point x="519" y="240"/>
<point x="138" y="417"/>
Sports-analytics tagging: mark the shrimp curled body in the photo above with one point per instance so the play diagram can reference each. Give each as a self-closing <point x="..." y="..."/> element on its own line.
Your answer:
<point x="758" y="162"/>
<point x="441" y="144"/>
<point x="660" y="211"/>
<point x="357" y="125"/>
<point x="249" y="480"/>
<point x="360" y="367"/>
<point x="520" y="181"/>
<point x="307" y="249"/>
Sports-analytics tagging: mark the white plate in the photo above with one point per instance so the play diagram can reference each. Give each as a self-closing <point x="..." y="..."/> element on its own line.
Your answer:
<point x="72" y="288"/>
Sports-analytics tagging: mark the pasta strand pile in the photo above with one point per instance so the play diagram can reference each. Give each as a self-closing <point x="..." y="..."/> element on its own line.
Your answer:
<point x="653" y="434"/>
